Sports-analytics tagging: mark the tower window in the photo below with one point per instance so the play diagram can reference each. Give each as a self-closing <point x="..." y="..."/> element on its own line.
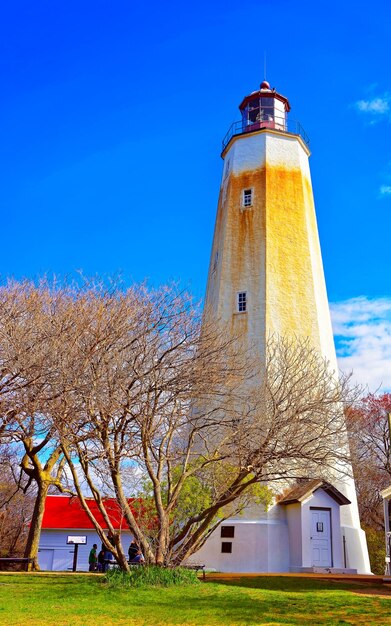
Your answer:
<point x="247" y="198"/>
<point x="227" y="168"/>
<point x="228" y="532"/>
<point x="226" y="547"/>
<point x="242" y="301"/>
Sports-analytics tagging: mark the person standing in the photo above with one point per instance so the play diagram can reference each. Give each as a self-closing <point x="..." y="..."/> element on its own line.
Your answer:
<point x="133" y="550"/>
<point x="93" y="559"/>
<point x="101" y="560"/>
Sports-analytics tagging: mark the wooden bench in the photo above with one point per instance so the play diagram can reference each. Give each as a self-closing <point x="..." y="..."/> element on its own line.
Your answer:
<point x="112" y="563"/>
<point x="18" y="560"/>
<point x="196" y="567"/>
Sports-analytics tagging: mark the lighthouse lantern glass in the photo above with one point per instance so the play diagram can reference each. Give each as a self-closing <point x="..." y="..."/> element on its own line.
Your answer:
<point x="264" y="112"/>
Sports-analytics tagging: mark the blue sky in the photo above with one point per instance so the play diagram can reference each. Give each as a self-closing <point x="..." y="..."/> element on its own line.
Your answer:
<point x="111" y="120"/>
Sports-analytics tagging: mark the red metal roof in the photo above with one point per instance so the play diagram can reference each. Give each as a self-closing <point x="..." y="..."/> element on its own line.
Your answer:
<point x="66" y="512"/>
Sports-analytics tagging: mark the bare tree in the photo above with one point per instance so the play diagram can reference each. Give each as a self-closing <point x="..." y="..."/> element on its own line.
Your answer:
<point x="290" y="426"/>
<point x="187" y="412"/>
<point x="15" y="505"/>
<point x="147" y="361"/>
<point x="370" y="444"/>
<point x="32" y="323"/>
<point x="139" y="398"/>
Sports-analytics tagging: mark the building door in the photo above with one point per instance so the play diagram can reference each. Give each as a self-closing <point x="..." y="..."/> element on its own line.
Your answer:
<point x="45" y="559"/>
<point x="321" y="537"/>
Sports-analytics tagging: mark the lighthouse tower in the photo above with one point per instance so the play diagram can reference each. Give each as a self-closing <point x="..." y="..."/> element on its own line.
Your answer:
<point x="266" y="277"/>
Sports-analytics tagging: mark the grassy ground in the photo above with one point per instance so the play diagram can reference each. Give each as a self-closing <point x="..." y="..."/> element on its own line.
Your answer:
<point x="55" y="599"/>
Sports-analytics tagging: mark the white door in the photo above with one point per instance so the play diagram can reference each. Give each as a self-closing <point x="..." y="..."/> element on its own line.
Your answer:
<point x="45" y="559"/>
<point x="321" y="537"/>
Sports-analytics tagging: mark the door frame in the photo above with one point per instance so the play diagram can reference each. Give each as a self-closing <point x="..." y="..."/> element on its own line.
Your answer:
<point x="325" y="508"/>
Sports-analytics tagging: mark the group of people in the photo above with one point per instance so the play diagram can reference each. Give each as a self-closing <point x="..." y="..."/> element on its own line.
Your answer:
<point x="99" y="562"/>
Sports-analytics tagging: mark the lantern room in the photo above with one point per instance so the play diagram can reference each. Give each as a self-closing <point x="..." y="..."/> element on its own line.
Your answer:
<point x="264" y="109"/>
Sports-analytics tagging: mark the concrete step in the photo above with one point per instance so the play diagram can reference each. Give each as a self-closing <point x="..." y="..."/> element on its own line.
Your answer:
<point x="323" y="570"/>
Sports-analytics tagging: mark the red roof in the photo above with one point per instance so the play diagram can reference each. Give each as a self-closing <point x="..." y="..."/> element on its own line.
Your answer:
<point x="67" y="512"/>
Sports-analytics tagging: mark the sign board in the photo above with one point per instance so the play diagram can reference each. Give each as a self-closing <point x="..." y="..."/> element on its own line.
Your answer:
<point x="77" y="540"/>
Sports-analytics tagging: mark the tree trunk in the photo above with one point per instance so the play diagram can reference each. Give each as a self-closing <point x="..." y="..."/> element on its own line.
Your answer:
<point x="163" y="542"/>
<point x="34" y="535"/>
<point x="133" y="526"/>
<point x="121" y="558"/>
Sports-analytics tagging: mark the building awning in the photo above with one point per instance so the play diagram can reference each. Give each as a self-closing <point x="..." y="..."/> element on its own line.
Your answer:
<point x="305" y="489"/>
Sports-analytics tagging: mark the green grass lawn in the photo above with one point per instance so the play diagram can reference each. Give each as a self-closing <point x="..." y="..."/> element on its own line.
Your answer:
<point x="57" y="599"/>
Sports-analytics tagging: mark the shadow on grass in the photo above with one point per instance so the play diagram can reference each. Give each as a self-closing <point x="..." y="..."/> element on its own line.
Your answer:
<point x="271" y="602"/>
<point x="294" y="584"/>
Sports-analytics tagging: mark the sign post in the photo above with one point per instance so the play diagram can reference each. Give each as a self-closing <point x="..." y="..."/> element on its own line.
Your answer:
<point x="76" y="540"/>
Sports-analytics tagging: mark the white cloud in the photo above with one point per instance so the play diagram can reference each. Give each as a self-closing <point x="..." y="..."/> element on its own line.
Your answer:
<point x="375" y="110"/>
<point x="362" y="331"/>
<point x="377" y="106"/>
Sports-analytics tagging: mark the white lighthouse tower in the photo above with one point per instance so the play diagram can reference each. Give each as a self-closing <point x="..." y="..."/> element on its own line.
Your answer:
<point x="266" y="277"/>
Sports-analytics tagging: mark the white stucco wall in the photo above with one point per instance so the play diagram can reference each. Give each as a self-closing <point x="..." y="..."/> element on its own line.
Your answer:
<point x="252" y="151"/>
<point x="258" y="546"/>
<point x="356" y="549"/>
<point x="293" y="512"/>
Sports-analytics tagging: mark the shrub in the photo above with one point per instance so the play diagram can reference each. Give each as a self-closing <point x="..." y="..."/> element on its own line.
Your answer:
<point x="376" y="549"/>
<point x="151" y="576"/>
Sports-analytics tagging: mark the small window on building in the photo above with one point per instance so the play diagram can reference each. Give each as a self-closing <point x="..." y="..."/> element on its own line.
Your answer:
<point x="247" y="199"/>
<point x="228" y="531"/>
<point x="226" y="547"/>
<point x="242" y="302"/>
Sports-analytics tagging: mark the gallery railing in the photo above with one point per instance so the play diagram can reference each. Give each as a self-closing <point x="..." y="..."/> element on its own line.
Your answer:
<point x="241" y="127"/>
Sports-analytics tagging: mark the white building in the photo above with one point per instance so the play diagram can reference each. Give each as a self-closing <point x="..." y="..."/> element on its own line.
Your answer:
<point x="266" y="278"/>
